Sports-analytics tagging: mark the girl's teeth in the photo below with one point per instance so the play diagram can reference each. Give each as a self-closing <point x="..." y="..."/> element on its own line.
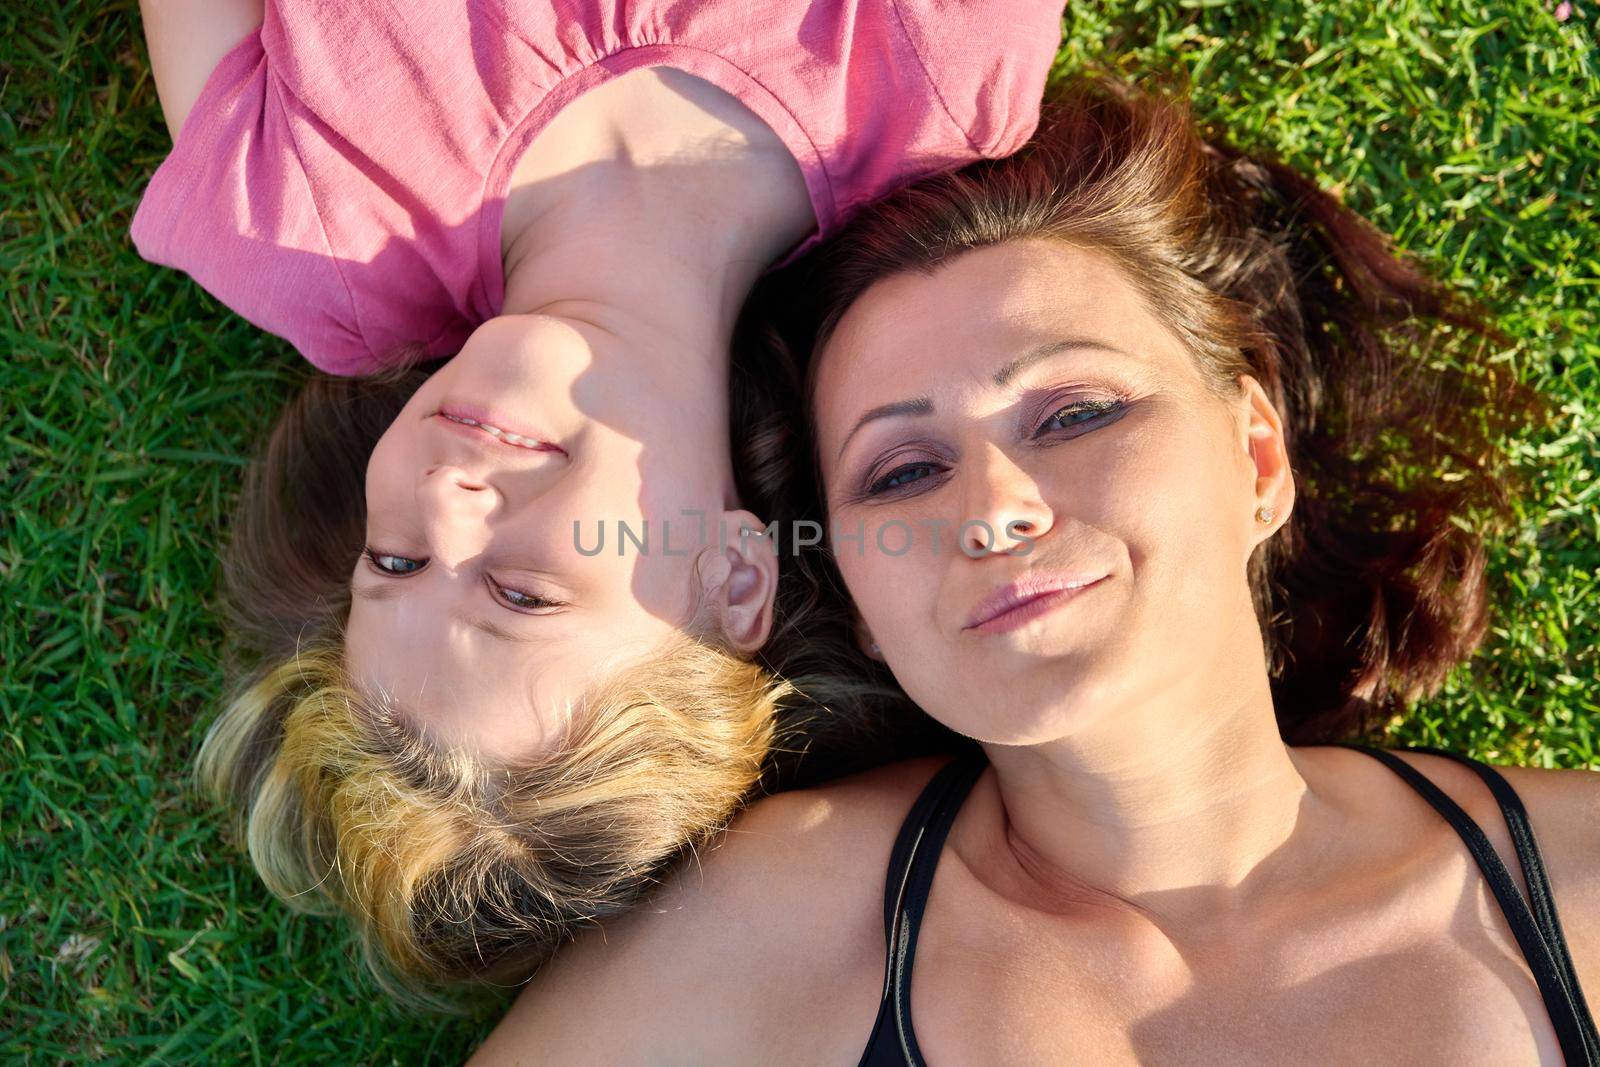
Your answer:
<point x="495" y="431"/>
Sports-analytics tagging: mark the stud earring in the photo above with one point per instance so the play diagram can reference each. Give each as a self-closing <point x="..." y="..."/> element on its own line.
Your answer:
<point x="875" y="649"/>
<point x="1264" y="513"/>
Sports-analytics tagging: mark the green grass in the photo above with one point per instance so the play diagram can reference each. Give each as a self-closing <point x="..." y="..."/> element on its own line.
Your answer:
<point x="130" y="932"/>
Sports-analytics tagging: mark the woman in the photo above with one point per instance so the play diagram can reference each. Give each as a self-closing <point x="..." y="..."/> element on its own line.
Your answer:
<point x="460" y="722"/>
<point x="1147" y="388"/>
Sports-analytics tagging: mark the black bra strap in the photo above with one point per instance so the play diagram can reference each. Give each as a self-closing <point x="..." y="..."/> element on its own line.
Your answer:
<point x="922" y="861"/>
<point x="921" y="835"/>
<point x="1542" y="898"/>
<point x="1575" y="1037"/>
<point x="906" y="844"/>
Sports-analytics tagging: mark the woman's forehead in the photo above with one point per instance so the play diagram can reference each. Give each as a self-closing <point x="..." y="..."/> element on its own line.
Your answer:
<point x="990" y="305"/>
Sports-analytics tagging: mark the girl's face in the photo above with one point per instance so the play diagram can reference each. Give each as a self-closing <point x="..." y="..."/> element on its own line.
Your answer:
<point x="479" y="608"/>
<point x="1056" y="509"/>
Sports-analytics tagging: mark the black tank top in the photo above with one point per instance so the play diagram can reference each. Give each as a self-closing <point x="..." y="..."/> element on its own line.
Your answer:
<point x="916" y="855"/>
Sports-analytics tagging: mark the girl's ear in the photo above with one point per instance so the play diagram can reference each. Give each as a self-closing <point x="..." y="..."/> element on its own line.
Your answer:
<point x="739" y="583"/>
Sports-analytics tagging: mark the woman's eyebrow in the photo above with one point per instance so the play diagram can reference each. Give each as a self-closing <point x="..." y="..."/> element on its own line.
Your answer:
<point x="1045" y="351"/>
<point x="923" y="406"/>
<point x="916" y="406"/>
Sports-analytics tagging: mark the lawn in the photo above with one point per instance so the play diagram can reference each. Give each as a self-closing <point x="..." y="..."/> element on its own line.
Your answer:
<point x="130" y="930"/>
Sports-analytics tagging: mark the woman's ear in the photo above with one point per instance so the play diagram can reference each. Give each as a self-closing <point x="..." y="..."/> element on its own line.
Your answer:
<point x="1269" y="457"/>
<point x="863" y="636"/>
<point x="739" y="582"/>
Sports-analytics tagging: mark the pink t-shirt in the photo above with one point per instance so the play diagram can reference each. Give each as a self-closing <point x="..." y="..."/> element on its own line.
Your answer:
<point x="341" y="179"/>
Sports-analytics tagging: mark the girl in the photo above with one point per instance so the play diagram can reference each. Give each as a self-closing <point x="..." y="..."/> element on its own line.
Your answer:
<point x="1151" y="391"/>
<point x="457" y="723"/>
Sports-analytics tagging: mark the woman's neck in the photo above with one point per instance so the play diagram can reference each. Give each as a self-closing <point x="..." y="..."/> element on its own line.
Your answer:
<point x="1183" y="807"/>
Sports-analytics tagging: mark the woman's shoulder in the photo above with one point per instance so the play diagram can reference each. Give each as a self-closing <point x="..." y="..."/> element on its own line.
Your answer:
<point x="845" y="806"/>
<point x="740" y="952"/>
<point x="789" y="861"/>
<point x="1566" y="796"/>
<point x="1563" y="809"/>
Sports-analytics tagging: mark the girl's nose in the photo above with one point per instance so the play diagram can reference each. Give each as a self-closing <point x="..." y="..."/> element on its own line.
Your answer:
<point x="455" y="512"/>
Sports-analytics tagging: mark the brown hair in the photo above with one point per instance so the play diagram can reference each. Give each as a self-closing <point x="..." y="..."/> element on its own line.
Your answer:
<point x="1374" y="589"/>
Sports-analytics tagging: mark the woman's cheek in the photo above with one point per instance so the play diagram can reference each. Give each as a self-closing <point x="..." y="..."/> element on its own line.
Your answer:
<point x="871" y="581"/>
<point x="1175" y="509"/>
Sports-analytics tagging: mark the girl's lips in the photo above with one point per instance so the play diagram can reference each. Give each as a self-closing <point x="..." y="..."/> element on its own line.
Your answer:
<point x="1019" y="603"/>
<point x="482" y="426"/>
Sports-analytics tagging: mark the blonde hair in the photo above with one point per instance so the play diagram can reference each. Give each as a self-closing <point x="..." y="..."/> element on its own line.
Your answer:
<point x="458" y="874"/>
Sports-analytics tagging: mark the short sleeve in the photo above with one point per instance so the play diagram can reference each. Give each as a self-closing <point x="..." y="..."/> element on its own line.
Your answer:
<point x="231" y="206"/>
<point x="988" y="61"/>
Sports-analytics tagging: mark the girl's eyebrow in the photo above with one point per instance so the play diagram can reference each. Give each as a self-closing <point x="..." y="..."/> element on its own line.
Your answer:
<point x="387" y="591"/>
<point x="500" y="633"/>
<point x="374" y="590"/>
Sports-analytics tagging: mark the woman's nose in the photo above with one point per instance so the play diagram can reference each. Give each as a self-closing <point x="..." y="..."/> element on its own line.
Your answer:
<point x="455" y="514"/>
<point x="1004" y="507"/>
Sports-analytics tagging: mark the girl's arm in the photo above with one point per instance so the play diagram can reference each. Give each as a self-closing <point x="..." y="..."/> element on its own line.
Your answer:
<point x="187" y="38"/>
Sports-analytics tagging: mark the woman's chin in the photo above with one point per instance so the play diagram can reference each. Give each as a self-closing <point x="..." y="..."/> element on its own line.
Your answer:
<point x="1016" y="713"/>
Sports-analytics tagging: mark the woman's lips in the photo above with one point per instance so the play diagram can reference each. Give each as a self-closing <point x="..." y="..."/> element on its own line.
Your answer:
<point x="1013" y="606"/>
<point x="480" y="426"/>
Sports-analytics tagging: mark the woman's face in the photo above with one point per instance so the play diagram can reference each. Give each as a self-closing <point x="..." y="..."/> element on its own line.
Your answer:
<point x="1079" y="504"/>
<point x="477" y="608"/>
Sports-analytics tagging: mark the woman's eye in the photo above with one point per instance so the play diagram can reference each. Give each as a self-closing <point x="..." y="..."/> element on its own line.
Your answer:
<point x="395" y="565"/>
<point x="1078" y="414"/>
<point x="899" y="477"/>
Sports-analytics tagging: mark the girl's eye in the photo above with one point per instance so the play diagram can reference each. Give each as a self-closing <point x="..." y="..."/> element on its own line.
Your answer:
<point x="523" y="601"/>
<point x="1077" y="414"/>
<point x="399" y="566"/>
<point x="899" y="477"/>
